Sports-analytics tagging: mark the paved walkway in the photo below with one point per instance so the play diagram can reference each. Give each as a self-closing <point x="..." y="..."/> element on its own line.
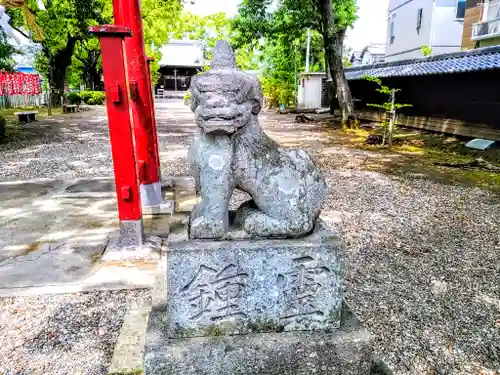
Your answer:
<point x="53" y="234"/>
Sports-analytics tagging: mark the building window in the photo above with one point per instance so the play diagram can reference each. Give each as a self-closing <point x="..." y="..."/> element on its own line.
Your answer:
<point x="461" y="6"/>
<point x="419" y="19"/>
<point x="392" y="25"/>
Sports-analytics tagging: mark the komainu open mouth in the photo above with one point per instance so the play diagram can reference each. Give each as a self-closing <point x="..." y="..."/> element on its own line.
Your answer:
<point x="219" y="124"/>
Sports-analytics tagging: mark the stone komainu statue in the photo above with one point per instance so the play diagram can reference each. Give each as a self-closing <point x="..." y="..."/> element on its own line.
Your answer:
<point x="230" y="151"/>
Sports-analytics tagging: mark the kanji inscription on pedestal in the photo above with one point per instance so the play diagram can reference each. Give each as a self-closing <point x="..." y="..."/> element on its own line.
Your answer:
<point x="215" y="294"/>
<point x="301" y="287"/>
<point x="237" y="287"/>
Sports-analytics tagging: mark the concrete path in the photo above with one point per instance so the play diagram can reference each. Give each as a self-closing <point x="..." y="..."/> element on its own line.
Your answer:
<point x="53" y="234"/>
<point x="53" y="237"/>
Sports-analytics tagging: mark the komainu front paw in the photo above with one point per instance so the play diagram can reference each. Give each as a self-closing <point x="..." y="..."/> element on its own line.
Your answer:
<point x="204" y="226"/>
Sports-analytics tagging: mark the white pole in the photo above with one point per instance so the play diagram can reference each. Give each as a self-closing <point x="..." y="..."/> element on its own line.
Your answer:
<point x="308" y="48"/>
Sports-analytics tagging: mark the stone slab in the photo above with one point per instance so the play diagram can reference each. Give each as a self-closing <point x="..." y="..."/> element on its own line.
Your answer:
<point x="346" y="350"/>
<point x="244" y="286"/>
<point x="165" y="208"/>
<point x="128" y="354"/>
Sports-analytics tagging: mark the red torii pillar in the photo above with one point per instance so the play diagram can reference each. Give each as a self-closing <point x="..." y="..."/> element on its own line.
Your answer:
<point x="114" y="62"/>
<point x="149" y="59"/>
<point x="128" y="13"/>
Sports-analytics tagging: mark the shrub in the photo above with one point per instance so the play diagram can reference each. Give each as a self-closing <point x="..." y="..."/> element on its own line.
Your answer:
<point x="99" y="97"/>
<point x="277" y="91"/>
<point x="187" y="98"/>
<point x="93" y="97"/>
<point x="74" y="98"/>
<point x="85" y="95"/>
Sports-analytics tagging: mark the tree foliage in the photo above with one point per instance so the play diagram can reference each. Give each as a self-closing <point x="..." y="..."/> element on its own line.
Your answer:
<point x="7" y="51"/>
<point x="211" y="28"/>
<point x="285" y="21"/>
<point x="86" y="65"/>
<point x="67" y="43"/>
<point x="62" y="25"/>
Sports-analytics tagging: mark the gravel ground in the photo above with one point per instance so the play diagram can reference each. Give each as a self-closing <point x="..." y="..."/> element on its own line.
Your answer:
<point x="69" y="334"/>
<point x="423" y="269"/>
<point x="77" y="145"/>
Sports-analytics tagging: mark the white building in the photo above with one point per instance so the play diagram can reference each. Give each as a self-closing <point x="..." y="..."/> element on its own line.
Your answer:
<point x="182" y="53"/>
<point x="181" y="59"/>
<point x="487" y="32"/>
<point x="413" y="24"/>
<point x="372" y="54"/>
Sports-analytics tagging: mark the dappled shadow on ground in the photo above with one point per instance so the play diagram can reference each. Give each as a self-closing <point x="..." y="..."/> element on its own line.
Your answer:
<point x="69" y="146"/>
<point x="421" y="256"/>
<point x="48" y="236"/>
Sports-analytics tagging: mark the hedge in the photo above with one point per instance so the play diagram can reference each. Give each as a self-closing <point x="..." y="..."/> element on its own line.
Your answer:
<point x="88" y="97"/>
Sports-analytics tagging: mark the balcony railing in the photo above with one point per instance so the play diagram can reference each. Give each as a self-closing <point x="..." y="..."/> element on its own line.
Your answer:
<point x="486" y="29"/>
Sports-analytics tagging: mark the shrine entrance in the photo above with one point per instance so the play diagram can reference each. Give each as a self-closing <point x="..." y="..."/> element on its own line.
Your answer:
<point x="176" y="78"/>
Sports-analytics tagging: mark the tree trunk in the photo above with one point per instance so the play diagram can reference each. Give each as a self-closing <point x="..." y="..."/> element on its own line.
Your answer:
<point x="342" y="89"/>
<point x="333" y="40"/>
<point x="96" y="80"/>
<point x="58" y="66"/>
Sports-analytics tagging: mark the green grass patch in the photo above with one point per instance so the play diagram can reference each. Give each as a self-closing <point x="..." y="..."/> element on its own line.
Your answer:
<point x="13" y="129"/>
<point x="420" y="152"/>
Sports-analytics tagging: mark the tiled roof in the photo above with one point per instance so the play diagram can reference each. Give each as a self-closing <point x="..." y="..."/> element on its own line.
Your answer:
<point x="458" y="62"/>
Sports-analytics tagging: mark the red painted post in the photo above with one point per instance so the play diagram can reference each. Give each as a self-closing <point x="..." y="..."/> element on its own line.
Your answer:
<point x="128" y="13"/>
<point x="121" y="136"/>
<point x="149" y="59"/>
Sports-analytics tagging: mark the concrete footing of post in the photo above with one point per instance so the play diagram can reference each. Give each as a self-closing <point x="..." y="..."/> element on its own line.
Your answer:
<point x="130" y="243"/>
<point x="152" y="200"/>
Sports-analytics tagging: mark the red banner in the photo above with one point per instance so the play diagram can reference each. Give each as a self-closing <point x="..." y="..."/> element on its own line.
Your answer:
<point x="19" y="84"/>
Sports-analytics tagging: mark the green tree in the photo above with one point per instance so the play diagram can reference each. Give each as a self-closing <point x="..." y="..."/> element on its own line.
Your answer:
<point x="390" y="107"/>
<point x="61" y="26"/>
<point x="66" y="40"/>
<point x="211" y="28"/>
<point x="86" y="66"/>
<point x="330" y="18"/>
<point x="6" y="53"/>
<point x="160" y="20"/>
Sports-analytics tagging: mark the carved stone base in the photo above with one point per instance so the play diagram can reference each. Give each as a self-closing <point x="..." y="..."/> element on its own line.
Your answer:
<point x="346" y="350"/>
<point x="248" y="307"/>
<point x="246" y="286"/>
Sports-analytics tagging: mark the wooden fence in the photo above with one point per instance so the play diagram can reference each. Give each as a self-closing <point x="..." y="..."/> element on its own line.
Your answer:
<point x="466" y="104"/>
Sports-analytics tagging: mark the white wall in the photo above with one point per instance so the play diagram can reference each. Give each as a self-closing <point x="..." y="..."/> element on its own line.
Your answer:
<point x="440" y="28"/>
<point x="407" y="37"/>
<point x="447" y="35"/>
<point x="370" y="26"/>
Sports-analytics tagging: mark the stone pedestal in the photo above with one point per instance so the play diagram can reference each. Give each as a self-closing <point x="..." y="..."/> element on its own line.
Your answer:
<point x="255" y="307"/>
<point x="342" y="351"/>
